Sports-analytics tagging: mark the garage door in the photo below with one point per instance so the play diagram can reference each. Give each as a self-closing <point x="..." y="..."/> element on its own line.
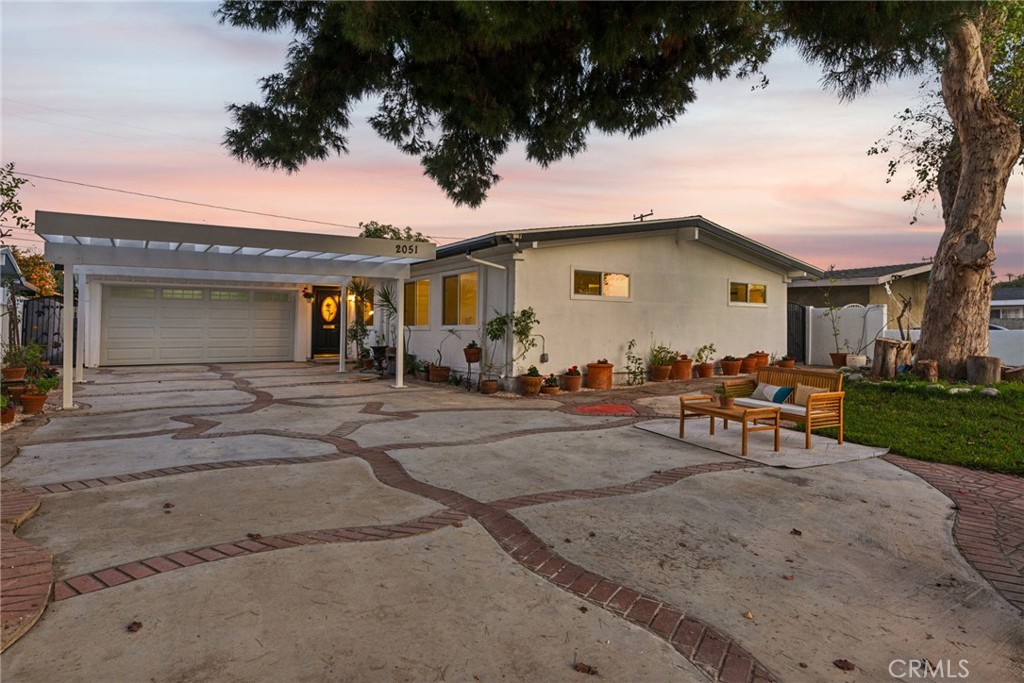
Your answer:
<point x="144" y="325"/>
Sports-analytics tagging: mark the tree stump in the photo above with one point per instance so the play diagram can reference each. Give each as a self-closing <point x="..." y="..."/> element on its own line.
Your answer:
<point x="928" y="370"/>
<point x="1013" y="374"/>
<point x="983" y="369"/>
<point x="890" y="355"/>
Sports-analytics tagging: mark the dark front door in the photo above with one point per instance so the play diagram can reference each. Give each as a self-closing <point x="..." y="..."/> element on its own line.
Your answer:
<point x="328" y="319"/>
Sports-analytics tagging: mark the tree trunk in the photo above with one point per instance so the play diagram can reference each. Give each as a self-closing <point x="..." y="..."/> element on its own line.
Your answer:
<point x="955" y="322"/>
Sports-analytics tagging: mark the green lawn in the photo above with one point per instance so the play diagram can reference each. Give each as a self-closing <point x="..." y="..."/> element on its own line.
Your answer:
<point x="969" y="429"/>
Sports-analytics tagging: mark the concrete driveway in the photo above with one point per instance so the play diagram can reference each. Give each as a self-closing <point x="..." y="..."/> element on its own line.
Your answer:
<point x="284" y="522"/>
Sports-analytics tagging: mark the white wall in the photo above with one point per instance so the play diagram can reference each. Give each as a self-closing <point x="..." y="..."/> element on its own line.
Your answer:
<point x="858" y="327"/>
<point x="1007" y="345"/>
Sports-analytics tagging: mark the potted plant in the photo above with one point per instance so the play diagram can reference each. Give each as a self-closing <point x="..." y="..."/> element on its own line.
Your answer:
<point x="599" y="374"/>
<point x="730" y="365"/>
<point x="422" y="370"/>
<point x="786" y="361"/>
<point x="761" y="357"/>
<point x="308" y="294"/>
<point x="682" y="368"/>
<point x="439" y="372"/>
<point x="497" y="330"/>
<point x="550" y="385"/>
<point x="724" y="400"/>
<point x="7" y="409"/>
<point x="572" y="379"/>
<point x="472" y="352"/>
<point x="705" y="360"/>
<point x="387" y="302"/>
<point x="489" y="386"/>
<point x="17" y="359"/>
<point x="661" y="359"/>
<point x="748" y="364"/>
<point x="838" y="357"/>
<point x="529" y="384"/>
<point x="35" y="395"/>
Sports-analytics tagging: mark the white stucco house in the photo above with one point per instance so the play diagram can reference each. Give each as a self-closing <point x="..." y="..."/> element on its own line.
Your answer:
<point x="682" y="282"/>
<point x="156" y="292"/>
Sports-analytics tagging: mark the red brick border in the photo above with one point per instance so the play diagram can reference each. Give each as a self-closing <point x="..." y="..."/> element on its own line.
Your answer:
<point x="27" y="578"/>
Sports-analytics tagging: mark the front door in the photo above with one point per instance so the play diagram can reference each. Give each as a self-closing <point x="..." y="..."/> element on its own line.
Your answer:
<point x="327" y="321"/>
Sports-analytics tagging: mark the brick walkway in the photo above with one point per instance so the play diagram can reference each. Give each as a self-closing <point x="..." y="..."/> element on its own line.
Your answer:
<point x="989" y="531"/>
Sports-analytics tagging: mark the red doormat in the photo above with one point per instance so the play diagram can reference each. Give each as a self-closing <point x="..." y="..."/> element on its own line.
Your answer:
<point x="604" y="409"/>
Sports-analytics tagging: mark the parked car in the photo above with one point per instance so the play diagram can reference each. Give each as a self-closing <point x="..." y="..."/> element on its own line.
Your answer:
<point x="993" y="326"/>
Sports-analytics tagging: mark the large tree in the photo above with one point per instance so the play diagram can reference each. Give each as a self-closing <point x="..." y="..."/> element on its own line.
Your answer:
<point x="458" y="82"/>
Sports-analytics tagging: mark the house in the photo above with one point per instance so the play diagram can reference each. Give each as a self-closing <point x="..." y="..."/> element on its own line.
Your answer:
<point x="1007" y="307"/>
<point x="866" y="286"/>
<point x="682" y="282"/>
<point x="13" y="281"/>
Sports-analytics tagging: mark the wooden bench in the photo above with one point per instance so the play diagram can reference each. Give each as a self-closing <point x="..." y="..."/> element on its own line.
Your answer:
<point x="824" y="409"/>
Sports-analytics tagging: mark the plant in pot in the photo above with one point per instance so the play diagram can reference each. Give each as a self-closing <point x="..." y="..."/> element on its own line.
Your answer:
<point x="529" y="383"/>
<point x="636" y="368"/>
<point x="724" y="400"/>
<point x="748" y="364"/>
<point x="661" y="358"/>
<point x="422" y="370"/>
<point x="35" y="395"/>
<point x="599" y="374"/>
<point x="550" y="385"/>
<point x="496" y="330"/>
<point x="18" y="358"/>
<point x="730" y="365"/>
<point x="387" y="302"/>
<point x="472" y="352"/>
<point x="439" y="372"/>
<point x="787" y="361"/>
<point x="832" y="314"/>
<point x="761" y="357"/>
<point x="572" y="379"/>
<point x="7" y="409"/>
<point x="682" y="367"/>
<point x="705" y="360"/>
<point x="362" y="295"/>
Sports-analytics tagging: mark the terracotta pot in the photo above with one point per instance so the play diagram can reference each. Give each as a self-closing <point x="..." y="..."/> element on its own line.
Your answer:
<point x="838" y="359"/>
<point x="530" y="386"/>
<point x="660" y="373"/>
<point x="705" y="369"/>
<point x="489" y="386"/>
<point x="13" y="374"/>
<point x="599" y="375"/>
<point x="548" y="390"/>
<point x="7" y="415"/>
<point x="472" y="354"/>
<point x="787" y="363"/>
<point x="572" y="382"/>
<point x="726" y="401"/>
<point x="762" y="358"/>
<point x="731" y="367"/>
<point x="33" y="403"/>
<point x="367" y="363"/>
<point x="439" y="373"/>
<point x="422" y="375"/>
<point x="748" y="364"/>
<point x="682" y="369"/>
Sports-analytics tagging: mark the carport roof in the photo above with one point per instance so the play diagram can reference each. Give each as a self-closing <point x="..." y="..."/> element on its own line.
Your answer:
<point x="132" y="246"/>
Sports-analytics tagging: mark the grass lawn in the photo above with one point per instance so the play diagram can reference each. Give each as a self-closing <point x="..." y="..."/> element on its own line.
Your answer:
<point x="967" y="429"/>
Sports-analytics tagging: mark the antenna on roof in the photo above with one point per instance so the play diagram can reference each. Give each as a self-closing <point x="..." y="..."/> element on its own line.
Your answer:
<point x="642" y="216"/>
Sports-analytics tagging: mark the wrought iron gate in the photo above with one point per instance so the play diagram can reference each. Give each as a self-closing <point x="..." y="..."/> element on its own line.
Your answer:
<point x="41" y="323"/>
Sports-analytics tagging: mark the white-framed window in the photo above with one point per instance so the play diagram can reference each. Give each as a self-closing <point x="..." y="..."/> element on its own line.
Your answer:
<point x="747" y="293"/>
<point x="417" y="303"/>
<point x="458" y="304"/>
<point x="600" y="284"/>
<point x="181" y="293"/>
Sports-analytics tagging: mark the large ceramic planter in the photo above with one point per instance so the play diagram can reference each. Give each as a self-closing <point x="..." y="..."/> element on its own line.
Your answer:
<point x="682" y="369"/>
<point x="748" y="364"/>
<point x="32" y="403"/>
<point x="572" y="382"/>
<point x="660" y="373"/>
<point x="7" y="415"/>
<point x="838" y="359"/>
<point x="549" y="391"/>
<point x="705" y="369"/>
<point x="13" y="374"/>
<point x="599" y="375"/>
<point x="488" y="386"/>
<point x="731" y="367"/>
<point x="439" y="373"/>
<point x="472" y="354"/>
<point x="530" y="386"/>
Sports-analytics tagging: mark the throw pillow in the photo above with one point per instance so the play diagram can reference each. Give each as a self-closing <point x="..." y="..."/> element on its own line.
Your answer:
<point x="782" y="394"/>
<point x="764" y="392"/>
<point x="803" y="392"/>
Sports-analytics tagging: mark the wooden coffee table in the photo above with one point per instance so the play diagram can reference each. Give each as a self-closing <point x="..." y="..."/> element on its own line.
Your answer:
<point x="703" y="404"/>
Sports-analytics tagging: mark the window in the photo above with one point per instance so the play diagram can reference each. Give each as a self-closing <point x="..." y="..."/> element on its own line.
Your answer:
<point x="133" y="292"/>
<point x="595" y="283"/>
<point x="459" y="304"/>
<point x="417" y="303"/>
<point x="229" y="295"/>
<point x="272" y="296"/>
<point x="748" y="293"/>
<point x="182" y="294"/>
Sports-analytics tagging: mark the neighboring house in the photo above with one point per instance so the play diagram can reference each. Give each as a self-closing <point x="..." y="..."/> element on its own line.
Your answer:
<point x="867" y="286"/>
<point x="1007" y="307"/>
<point x="681" y="282"/>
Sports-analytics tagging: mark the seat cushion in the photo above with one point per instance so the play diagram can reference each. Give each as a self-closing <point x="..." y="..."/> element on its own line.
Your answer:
<point x="785" y="408"/>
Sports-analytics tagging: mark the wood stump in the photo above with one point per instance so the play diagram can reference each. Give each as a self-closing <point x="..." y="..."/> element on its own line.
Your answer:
<point x="983" y="369"/>
<point x="928" y="370"/>
<point x="890" y="354"/>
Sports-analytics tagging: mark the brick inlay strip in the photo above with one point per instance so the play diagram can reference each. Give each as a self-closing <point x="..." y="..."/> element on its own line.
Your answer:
<point x="27" y="578"/>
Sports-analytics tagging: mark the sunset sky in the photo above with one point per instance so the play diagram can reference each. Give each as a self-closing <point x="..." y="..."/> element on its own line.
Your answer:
<point x="132" y="97"/>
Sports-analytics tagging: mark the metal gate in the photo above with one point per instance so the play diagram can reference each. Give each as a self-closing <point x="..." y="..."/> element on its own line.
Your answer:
<point x="41" y="324"/>
<point x="796" y="332"/>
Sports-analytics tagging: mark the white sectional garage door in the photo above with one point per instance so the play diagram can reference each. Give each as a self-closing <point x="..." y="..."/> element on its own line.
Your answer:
<point x="148" y="325"/>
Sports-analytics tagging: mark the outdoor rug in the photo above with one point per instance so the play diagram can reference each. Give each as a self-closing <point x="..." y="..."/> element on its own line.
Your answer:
<point x="792" y="454"/>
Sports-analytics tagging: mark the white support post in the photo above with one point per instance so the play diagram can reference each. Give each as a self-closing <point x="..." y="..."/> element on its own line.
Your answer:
<point x="400" y="337"/>
<point x="343" y="321"/>
<point x="69" y="335"/>
<point x="83" y="311"/>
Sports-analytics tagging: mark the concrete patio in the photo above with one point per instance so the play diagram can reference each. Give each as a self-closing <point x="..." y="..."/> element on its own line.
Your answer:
<point x="247" y="522"/>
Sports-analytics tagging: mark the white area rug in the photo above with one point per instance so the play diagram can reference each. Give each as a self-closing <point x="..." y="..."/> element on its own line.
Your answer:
<point x="760" y="445"/>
